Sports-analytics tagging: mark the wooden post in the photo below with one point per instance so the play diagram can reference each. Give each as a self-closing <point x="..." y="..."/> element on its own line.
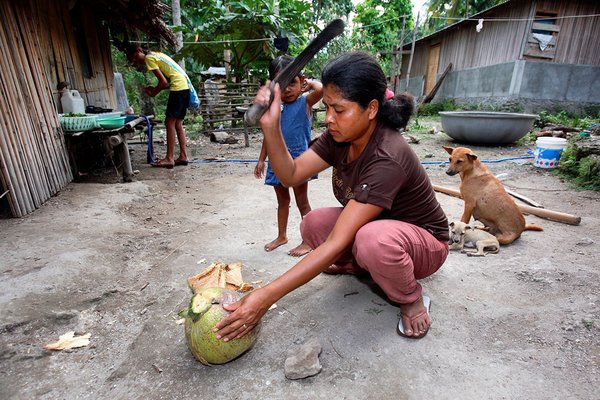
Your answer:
<point x="412" y="50"/>
<point x="127" y="169"/>
<point x="399" y="71"/>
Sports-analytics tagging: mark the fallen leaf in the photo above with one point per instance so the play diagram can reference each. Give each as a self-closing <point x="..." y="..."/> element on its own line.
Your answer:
<point x="69" y="341"/>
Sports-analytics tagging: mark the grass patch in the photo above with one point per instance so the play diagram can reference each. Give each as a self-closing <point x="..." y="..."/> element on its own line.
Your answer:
<point x="582" y="172"/>
<point x="566" y="119"/>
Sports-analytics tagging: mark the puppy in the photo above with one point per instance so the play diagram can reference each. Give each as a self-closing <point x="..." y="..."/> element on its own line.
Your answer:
<point x="462" y="235"/>
<point x="485" y="198"/>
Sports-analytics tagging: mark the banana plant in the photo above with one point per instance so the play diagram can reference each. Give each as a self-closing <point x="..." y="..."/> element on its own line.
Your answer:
<point x="245" y="28"/>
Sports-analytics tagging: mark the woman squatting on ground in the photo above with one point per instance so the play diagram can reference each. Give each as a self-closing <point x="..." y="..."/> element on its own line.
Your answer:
<point x="389" y="225"/>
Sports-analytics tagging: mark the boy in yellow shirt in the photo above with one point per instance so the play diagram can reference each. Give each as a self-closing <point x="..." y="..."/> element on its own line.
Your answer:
<point x="170" y="76"/>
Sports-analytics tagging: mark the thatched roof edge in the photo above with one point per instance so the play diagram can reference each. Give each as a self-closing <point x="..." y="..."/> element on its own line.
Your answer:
<point x="146" y="16"/>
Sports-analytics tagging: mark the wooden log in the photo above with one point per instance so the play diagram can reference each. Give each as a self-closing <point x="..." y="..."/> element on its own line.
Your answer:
<point x="433" y="91"/>
<point x="524" y="198"/>
<point x="115" y="140"/>
<point x="538" y="212"/>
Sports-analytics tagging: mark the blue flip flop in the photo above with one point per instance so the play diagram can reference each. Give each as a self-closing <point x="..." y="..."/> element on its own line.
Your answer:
<point x="427" y="304"/>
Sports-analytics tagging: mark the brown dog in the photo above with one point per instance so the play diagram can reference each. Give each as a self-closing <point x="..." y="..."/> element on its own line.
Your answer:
<point x="485" y="197"/>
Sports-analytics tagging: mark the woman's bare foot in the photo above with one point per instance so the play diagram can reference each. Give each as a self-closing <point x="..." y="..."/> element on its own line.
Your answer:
<point x="415" y="319"/>
<point x="275" y="244"/>
<point x="300" y="250"/>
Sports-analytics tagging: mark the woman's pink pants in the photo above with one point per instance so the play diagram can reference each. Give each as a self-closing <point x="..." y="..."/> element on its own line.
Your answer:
<point x="395" y="253"/>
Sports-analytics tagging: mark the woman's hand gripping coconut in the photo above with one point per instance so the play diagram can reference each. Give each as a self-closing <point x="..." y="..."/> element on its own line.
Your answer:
<point x="389" y="226"/>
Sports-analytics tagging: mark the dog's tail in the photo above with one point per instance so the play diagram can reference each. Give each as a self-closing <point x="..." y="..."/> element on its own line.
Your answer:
<point x="533" y="227"/>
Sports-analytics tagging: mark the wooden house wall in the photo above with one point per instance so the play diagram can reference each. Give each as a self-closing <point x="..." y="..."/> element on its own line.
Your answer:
<point x="64" y="58"/>
<point x="579" y="38"/>
<point x="464" y="47"/>
<point x="502" y="41"/>
<point x="38" y="51"/>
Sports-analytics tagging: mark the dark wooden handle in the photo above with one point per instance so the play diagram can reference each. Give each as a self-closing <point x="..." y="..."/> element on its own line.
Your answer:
<point x="254" y="112"/>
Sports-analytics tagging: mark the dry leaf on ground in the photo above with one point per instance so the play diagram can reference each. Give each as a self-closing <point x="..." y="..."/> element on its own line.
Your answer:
<point x="69" y="341"/>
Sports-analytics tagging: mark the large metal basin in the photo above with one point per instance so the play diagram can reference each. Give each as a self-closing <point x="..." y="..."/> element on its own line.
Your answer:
<point x="486" y="127"/>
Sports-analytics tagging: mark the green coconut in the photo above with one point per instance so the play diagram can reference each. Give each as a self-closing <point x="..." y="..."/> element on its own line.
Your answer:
<point x="205" y="310"/>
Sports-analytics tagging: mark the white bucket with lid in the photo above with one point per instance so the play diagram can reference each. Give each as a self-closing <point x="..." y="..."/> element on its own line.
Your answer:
<point x="72" y="102"/>
<point x="548" y="151"/>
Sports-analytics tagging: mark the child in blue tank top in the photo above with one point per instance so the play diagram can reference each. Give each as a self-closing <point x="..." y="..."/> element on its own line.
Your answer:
<point x="296" y="116"/>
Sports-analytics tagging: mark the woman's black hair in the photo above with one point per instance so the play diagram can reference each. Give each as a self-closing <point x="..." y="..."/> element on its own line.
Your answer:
<point x="360" y="79"/>
<point x="277" y="64"/>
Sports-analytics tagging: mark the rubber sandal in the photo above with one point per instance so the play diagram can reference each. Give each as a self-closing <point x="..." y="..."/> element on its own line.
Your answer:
<point x="163" y="165"/>
<point x="181" y="162"/>
<point x="427" y="304"/>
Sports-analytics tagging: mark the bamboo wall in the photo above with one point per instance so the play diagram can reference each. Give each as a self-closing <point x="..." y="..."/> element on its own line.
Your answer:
<point x="503" y="41"/>
<point x="39" y="51"/>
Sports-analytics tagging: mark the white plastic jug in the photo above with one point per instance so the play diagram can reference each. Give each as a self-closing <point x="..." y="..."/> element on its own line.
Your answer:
<point x="72" y="102"/>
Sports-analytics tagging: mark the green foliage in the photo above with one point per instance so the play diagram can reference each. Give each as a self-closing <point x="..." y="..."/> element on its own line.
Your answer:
<point x="435" y="108"/>
<point x="378" y="24"/>
<point x="566" y="119"/>
<point x="416" y="125"/>
<point x="213" y="26"/>
<point x="528" y="139"/>
<point x="325" y="12"/>
<point x="584" y="173"/>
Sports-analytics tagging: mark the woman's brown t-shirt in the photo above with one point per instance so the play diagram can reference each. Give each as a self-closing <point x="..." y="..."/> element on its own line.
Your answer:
<point x="387" y="174"/>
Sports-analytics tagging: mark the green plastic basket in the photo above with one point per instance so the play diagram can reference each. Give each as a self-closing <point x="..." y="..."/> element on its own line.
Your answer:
<point x="75" y="124"/>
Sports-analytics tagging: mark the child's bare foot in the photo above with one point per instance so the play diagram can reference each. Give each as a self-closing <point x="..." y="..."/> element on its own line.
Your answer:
<point x="415" y="318"/>
<point x="300" y="250"/>
<point x="275" y="244"/>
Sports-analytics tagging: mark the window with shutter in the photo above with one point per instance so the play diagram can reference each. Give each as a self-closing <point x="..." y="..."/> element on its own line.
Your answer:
<point x="541" y="44"/>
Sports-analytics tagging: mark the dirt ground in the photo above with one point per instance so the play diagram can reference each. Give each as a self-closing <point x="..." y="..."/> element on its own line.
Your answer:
<point x="111" y="259"/>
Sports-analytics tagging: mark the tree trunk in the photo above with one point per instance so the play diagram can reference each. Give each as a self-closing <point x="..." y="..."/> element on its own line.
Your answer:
<point x="176" y="9"/>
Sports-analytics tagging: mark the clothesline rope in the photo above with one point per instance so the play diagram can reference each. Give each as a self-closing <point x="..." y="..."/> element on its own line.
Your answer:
<point x="394" y="19"/>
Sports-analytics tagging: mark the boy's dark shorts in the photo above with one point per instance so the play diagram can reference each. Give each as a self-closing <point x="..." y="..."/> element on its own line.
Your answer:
<point x="178" y="104"/>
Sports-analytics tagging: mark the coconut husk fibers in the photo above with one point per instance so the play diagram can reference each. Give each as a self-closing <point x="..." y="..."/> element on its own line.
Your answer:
<point x="218" y="274"/>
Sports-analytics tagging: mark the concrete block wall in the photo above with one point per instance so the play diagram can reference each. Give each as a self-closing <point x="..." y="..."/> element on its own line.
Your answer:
<point x="530" y="85"/>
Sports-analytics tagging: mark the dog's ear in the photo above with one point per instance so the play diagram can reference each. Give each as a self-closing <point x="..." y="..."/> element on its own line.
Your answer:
<point x="472" y="156"/>
<point x="469" y="227"/>
<point x="451" y="224"/>
<point x="448" y="149"/>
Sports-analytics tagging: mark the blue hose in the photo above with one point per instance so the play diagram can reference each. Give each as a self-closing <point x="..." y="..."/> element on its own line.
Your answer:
<point x="150" y="152"/>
